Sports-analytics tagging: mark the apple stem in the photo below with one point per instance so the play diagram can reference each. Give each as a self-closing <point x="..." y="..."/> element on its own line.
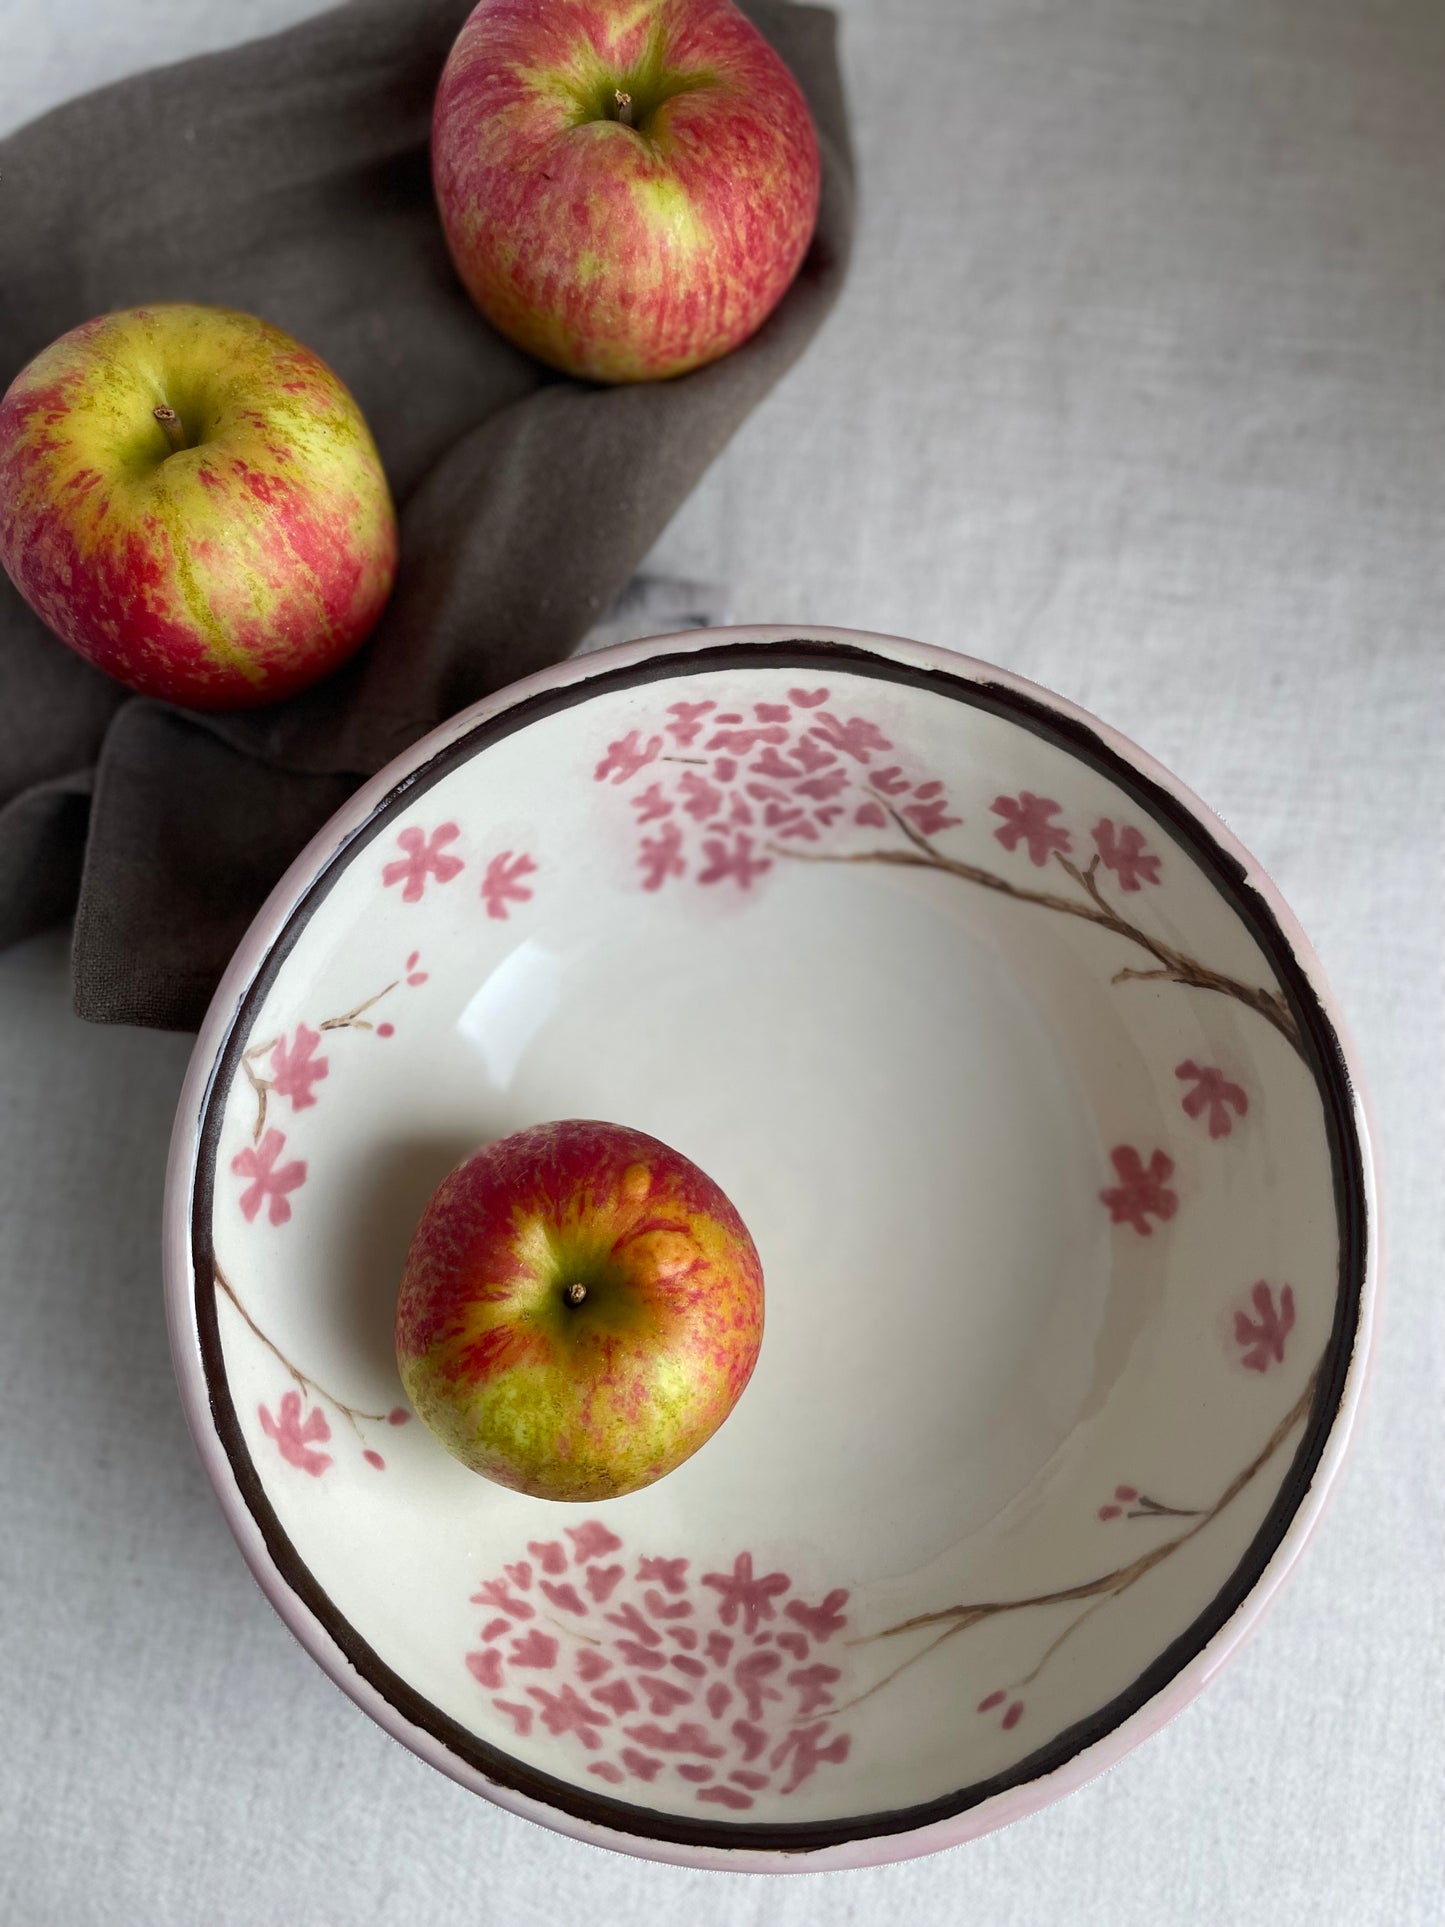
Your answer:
<point x="624" y="107"/>
<point x="575" y="1292"/>
<point x="171" y="426"/>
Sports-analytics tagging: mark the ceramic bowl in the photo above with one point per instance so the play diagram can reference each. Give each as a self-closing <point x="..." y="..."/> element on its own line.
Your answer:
<point x="1034" y="1100"/>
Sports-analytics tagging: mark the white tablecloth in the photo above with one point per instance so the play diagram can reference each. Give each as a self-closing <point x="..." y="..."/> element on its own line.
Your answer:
<point x="1139" y="388"/>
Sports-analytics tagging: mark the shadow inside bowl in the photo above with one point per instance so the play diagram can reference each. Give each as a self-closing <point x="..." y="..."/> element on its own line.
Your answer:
<point x="389" y="1188"/>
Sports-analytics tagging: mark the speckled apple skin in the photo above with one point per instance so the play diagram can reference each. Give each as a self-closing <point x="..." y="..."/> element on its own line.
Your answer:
<point x="586" y="1402"/>
<point x="623" y="253"/>
<point x="232" y="572"/>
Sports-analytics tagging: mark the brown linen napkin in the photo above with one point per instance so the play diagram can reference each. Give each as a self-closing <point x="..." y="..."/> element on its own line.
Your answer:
<point x="290" y="178"/>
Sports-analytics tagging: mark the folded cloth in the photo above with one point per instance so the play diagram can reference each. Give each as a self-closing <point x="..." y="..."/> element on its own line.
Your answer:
<point x="290" y="177"/>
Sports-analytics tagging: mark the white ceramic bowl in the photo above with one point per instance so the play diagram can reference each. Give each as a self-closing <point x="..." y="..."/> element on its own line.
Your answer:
<point x="1034" y="1100"/>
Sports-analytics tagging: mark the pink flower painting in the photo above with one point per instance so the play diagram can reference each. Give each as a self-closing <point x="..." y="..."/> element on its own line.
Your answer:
<point x="1027" y="819"/>
<point x="1261" y="1336"/>
<point x="502" y="883"/>
<point x="296" y="1440"/>
<point x="295" y="1068"/>
<point x="1213" y="1097"/>
<point x="423" y="856"/>
<point x="626" y="757"/>
<point x="711" y="1684"/>
<point x="1126" y="854"/>
<point x="1141" y="1192"/>
<point x="719" y="794"/>
<point x="270" y="1180"/>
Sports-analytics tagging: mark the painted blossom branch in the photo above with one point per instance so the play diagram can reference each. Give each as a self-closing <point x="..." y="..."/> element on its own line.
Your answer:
<point x="1171" y="965"/>
<point x="308" y="1385"/>
<point x="262" y="1086"/>
<point x="353" y="1019"/>
<point x="1097" y="1592"/>
<point x="1147" y="1508"/>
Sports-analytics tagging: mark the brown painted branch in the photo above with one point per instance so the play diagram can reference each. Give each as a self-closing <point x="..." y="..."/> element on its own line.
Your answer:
<point x="1062" y="1640"/>
<point x="960" y="1625"/>
<point x="1122" y="1577"/>
<point x="1088" y="880"/>
<point x="260" y="1085"/>
<point x="303" y="1379"/>
<point x="349" y="1019"/>
<point x="1174" y="965"/>
<point x="571" y="1632"/>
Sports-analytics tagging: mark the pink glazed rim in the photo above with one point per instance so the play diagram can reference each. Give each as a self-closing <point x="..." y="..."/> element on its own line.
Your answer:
<point x="1070" y="1758"/>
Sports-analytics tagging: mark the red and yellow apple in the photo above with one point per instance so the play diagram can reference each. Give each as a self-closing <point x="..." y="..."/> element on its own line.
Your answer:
<point x="627" y="186"/>
<point x="193" y="501"/>
<point x="580" y="1310"/>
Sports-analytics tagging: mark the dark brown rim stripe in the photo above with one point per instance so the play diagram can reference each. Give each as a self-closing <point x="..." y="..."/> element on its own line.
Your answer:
<point x="1322" y="1051"/>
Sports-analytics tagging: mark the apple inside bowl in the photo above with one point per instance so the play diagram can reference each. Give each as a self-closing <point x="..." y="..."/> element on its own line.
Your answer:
<point x="1033" y="1099"/>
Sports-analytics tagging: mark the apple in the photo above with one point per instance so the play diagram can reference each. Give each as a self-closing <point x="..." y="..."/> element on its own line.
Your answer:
<point x="580" y="1310"/>
<point x="627" y="186"/>
<point x="193" y="501"/>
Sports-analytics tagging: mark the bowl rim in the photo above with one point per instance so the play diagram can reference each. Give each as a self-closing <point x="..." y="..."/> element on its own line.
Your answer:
<point x="1071" y="1757"/>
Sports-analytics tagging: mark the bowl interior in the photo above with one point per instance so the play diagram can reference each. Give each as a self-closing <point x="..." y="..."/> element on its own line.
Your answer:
<point x="1015" y="1081"/>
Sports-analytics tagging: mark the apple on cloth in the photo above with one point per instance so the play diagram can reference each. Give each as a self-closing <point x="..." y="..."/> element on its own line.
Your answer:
<point x="290" y="178"/>
<point x="627" y="189"/>
<point x="193" y="501"/>
<point x="581" y="1309"/>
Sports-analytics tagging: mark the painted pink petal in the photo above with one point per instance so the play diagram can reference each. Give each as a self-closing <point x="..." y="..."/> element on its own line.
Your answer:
<point x="294" y="1068"/>
<point x="661" y="857"/>
<point x="686" y="725"/>
<point x="1263" y="1337"/>
<point x="486" y="1667"/>
<point x="1026" y="820"/>
<point x="824" y="1619"/>
<point x="502" y="884"/>
<point x="930" y="818"/>
<point x="294" y="1440"/>
<point x="520" y="1716"/>
<point x="733" y="860"/>
<point x="741" y="1592"/>
<point x="808" y="1753"/>
<point x="668" y="1573"/>
<point x="535" y="1648"/>
<point x="270" y="1180"/>
<point x="852" y="736"/>
<point x="1142" y="1191"/>
<point x="618" y="1694"/>
<point x="1126" y="854"/>
<point x="626" y="757"/>
<point x="1213" y="1096"/>
<point x="568" y="1712"/>
<point x="423" y="857"/>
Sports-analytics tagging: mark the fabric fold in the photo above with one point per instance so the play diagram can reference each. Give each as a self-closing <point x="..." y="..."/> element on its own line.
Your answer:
<point x="290" y="177"/>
